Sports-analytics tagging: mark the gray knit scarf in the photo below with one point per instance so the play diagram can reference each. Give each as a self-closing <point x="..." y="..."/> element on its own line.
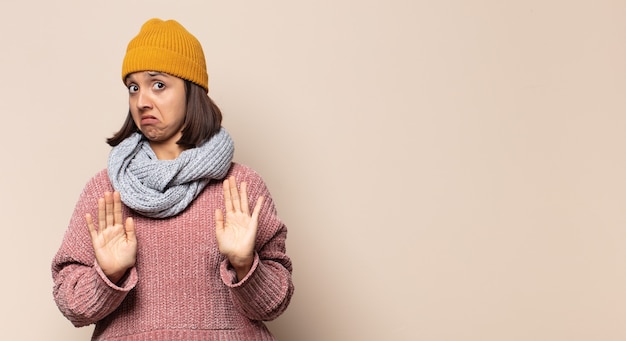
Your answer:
<point x="163" y="188"/>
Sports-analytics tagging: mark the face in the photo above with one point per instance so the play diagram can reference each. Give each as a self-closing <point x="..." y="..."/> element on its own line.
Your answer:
<point x="158" y="105"/>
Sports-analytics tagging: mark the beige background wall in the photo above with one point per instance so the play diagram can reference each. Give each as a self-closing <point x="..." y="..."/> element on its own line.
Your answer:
<point x="449" y="170"/>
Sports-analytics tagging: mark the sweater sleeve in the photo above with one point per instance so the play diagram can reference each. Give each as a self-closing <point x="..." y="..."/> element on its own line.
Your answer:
<point x="82" y="292"/>
<point x="265" y="292"/>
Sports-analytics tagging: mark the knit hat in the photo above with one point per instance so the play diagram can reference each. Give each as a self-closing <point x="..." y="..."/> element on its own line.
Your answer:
<point x="166" y="46"/>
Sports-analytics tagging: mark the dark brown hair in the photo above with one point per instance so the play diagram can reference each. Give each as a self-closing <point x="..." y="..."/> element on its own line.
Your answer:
<point x="202" y="121"/>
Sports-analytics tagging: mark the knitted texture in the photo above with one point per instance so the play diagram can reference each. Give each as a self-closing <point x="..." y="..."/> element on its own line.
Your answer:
<point x="166" y="46"/>
<point x="163" y="188"/>
<point x="181" y="287"/>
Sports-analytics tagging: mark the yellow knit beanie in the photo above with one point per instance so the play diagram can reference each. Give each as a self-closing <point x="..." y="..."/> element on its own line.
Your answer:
<point x="166" y="46"/>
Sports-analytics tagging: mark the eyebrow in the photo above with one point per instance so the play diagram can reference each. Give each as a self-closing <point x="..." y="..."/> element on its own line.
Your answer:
<point x="150" y="73"/>
<point x="156" y="73"/>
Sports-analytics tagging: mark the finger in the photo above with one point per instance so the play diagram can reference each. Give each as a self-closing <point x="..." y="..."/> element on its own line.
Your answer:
<point x="244" y="199"/>
<point x="130" y="229"/>
<point x="234" y="194"/>
<point x="93" y="233"/>
<point x="117" y="208"/>
<point x="90" y="226"/>
<point x="108" y="199"/>
<point x="257" y="209"/>
<point x="228" y="203"/>
<point x="102" y="223"/>
<point x="219" y="220"/>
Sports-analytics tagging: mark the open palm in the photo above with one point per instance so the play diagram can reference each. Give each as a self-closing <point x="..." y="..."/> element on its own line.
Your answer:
<point x="114" y="244"/>
<point x="236" y="230"/>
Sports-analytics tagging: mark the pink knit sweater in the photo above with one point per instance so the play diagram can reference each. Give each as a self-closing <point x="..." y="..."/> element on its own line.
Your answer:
<point x="181" y="287"/>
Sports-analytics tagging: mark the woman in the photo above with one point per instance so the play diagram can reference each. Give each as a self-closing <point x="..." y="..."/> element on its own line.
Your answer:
<point x="163" y="245"/>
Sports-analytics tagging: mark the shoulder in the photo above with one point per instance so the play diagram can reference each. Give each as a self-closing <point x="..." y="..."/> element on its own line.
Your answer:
<point x="99" y="183"/>
<point x="256" y="184"/>
<point x="242" y="172"/>
<point x="102" y="177"/>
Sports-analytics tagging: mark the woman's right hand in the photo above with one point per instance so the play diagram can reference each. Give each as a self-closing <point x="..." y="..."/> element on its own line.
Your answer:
<point x="114" y="243"/>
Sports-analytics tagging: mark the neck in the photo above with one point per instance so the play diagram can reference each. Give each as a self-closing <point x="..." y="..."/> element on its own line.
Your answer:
<point x="166" y="151"/>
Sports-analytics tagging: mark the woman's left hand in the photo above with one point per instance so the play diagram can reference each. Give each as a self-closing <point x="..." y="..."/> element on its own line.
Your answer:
<point x="236" y="232"/>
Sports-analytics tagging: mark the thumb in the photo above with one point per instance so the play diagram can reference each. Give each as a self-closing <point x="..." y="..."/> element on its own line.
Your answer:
<point x="257" y="208"/>
<point x="130" y="229"/>
<point x="219" y="221"/>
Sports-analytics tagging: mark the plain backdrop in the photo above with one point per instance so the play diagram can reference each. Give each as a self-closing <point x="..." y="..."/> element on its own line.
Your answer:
<point x="448" y="170"/>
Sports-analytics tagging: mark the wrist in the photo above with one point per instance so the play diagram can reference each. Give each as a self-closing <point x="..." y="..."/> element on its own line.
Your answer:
<point x="116" y="277"/>
<point x="241" y="266"/>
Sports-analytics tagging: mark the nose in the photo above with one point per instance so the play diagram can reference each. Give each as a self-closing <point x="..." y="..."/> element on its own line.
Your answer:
<point x="143" y="100"/>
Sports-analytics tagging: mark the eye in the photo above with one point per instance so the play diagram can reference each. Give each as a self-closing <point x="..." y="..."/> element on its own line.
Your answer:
<point x="158" y="85"/>
<point x="133" y="88"/>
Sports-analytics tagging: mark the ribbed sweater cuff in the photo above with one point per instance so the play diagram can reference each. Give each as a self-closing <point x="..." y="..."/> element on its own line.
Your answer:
<point x="98" y="297"/>
<point x="229" y="275"/>
<point x="260" y="294"/>
<point x="129" y="282"/>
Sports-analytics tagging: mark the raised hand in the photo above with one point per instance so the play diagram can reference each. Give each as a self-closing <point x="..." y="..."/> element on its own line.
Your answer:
<point x="114" y="243"/>
<point x="236" y="232"/>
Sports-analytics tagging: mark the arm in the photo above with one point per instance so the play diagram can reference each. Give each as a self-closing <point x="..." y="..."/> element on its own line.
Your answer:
<point x="264" y="291"/>
<point x="82" y="291"/>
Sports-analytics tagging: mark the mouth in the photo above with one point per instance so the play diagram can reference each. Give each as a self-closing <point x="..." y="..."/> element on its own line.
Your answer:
<point x="148" y="120"/>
